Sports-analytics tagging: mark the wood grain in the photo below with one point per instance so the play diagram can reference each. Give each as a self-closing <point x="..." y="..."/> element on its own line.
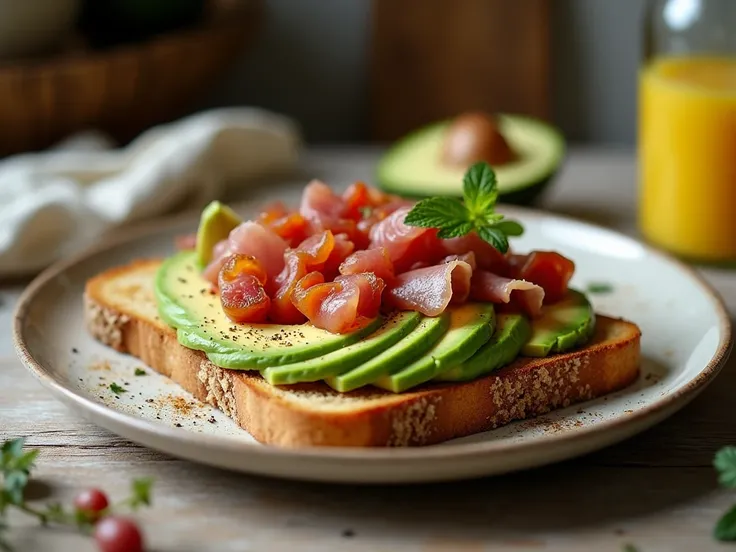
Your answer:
<point x="431" y="59"/>
<point x="657" y="491"/>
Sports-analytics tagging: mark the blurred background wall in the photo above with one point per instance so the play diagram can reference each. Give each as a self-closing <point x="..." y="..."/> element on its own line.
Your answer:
<point x="321" y="46"/>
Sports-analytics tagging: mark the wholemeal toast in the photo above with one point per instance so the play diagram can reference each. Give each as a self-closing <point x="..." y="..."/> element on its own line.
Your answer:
<point x="121" y="312"/>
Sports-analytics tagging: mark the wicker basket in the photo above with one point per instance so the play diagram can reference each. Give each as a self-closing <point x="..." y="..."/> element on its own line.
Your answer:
<point x="123" y="90"/>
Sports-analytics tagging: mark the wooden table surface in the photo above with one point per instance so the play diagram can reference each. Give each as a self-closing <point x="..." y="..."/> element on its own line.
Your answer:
<point x="656" y="491"/>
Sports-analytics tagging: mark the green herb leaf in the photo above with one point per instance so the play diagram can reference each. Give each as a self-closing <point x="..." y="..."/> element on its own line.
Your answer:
<point x="437" y="212"/>
<point x="725" y="463"/>
<point x="55" y="512"/>
<point x="140" y="372"/>
<point x="725" y="529"/>
<point x="141" y="492"/>
<point x="14" y="485"/>
<point x="115" y="388"/>
<point x="12" y="448"/>
<point x="453" y="218"/>
<point x="510" y="227"/>
<point x="495" y="237"/>
<point x="366" y="211"/>
<point x="455" y="230"/>
<point x="479" y="188"/>
<point x="599" y="287"/>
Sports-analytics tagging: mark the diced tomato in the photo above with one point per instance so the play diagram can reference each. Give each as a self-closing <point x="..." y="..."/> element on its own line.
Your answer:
<point x="356" y="199"/>
<point x="549" y="270"/>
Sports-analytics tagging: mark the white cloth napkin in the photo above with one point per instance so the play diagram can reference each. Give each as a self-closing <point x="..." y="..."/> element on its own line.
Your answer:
<point x="57" y="202"/>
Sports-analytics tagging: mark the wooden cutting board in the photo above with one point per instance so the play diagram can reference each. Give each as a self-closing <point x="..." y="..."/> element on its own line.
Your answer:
<point x="431" y="59"/>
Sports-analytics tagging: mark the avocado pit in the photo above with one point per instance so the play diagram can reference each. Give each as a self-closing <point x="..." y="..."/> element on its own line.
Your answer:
<point x="473" y="137"/>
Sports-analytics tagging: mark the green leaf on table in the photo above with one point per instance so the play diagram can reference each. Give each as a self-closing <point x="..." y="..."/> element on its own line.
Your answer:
<point x="14" y="485"/>
<point x="725" y="464"/>
<point x="115" y="388"/>
<point x="725" y="529"/>
<point x="141" y="492"/>
<point x="140" y="372"/>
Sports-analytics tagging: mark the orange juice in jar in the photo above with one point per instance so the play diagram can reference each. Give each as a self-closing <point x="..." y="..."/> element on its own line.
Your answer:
<point x="687" y="131"/>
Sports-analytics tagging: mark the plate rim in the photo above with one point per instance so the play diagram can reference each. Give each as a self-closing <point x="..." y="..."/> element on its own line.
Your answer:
<point x="672" y="401"/>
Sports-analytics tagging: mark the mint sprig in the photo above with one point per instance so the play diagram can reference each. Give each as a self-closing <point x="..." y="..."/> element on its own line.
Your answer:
<point x="476" y="212"/>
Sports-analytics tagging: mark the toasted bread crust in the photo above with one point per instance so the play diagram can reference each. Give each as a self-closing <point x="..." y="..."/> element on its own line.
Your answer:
<point x="316" y="415"/>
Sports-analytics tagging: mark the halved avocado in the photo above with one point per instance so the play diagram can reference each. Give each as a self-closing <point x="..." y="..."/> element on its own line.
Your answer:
<point x="413" y="167"/>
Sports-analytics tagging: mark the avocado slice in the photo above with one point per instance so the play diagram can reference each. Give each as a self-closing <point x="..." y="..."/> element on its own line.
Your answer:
<point x="512" y="331"/>
<point x="215" y="224"/>
<point x="413" y="166"/>
<point x="418" y="342"/>
<point x="471" y="326"/>
<point x="562" y="326"/>
<point x="395" y="327"/>
<point x="185" y="302"/>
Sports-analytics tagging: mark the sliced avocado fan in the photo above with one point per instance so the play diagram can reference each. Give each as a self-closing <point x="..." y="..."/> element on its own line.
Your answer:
<point x="562" y="326"/>
<point x="471" y="325"/>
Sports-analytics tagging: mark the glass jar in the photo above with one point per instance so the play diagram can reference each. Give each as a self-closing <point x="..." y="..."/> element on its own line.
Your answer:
<point x="687" y="129"/>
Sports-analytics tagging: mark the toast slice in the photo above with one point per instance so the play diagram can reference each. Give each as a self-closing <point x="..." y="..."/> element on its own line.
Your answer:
<point x="121" y="312"/>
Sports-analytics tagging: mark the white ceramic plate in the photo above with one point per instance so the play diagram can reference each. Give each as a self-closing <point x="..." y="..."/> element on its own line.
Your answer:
<point x="686" y="339"/>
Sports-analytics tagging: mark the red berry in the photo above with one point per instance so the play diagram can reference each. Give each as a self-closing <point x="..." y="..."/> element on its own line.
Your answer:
<point x="91" y="501"/>
<point x="117" y="534"/>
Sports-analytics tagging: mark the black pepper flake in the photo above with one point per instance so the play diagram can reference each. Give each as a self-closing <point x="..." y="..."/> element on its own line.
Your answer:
<point x="75" y="350"/>
<point x="150" y="401"/>
<point x="212" y="420"/>
<point x="181" y="280"/>
<point x="177" y="424"/>
<point x="348" y="533"/>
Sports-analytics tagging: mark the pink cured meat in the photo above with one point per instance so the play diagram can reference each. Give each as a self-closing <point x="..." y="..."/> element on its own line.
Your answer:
<point x="430" y="290"/>
<point x="251" y="238"/>
<point x="369" y="260"/>
<point x="220" y="253"/>
<point x="341" y="306"/>
<point x="487" y="257"/>
<point x="466" y="257"/>
<point x="405" y="244"/>
<point x="486" y="286"/>
<point x="320" y="204"/>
